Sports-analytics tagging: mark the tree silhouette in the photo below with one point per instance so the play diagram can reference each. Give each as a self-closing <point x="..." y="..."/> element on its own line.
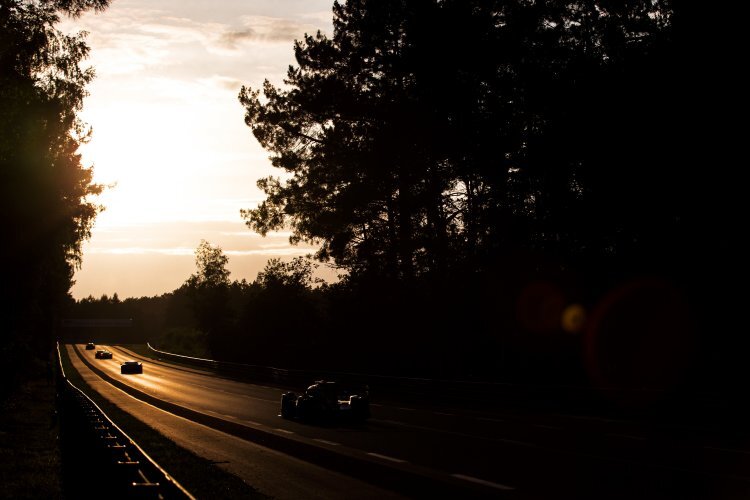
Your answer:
<point x="45" y="209"/>
<point x="453" y="152"/>
<point x="208" y="290"/>
<point x="279" y="318"/>
<point x="345" y="132"/>
<point x="297" y="274"/>
<point x="425" y="137"/>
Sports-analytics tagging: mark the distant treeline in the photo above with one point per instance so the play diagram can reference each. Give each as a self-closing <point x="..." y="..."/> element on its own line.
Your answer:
<point x="287" y="318"/>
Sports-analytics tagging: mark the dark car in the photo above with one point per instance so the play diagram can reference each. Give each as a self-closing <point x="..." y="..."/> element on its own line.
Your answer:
<point x="103" y="354"/>
<point x="327" y="400"/>
<point x="131" y="367"/>
<point x="90" y="346"/>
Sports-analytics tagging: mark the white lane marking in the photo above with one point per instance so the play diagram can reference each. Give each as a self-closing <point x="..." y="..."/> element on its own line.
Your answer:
<point x="253" y="422"/>
<point x="483" y="482"/>
<point x="486" y="419"/>
<point x="405" y="409"/>
<point x="284" y="431"/>
<point x="386" y="457"/>
<point x="446" y="414"/>
<point x="325" y="442"/>
<point x="626" y="436"/>
<point x="553" y="427"/>
<point x="257" y="398"/>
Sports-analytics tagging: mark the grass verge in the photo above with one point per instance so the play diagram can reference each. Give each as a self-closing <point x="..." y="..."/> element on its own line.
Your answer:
<point x="201" y="477"/>
<point x="30" y="464"/>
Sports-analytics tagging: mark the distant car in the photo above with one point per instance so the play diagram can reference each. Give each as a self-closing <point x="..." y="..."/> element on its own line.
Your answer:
<point x="90" y="346"/>
<point x="327" y="400"/>
<point x="131" y="367"/>
<point x="103" y="354"/>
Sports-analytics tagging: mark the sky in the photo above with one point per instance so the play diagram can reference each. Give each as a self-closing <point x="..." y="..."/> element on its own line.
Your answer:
<point x="169" y="137"/>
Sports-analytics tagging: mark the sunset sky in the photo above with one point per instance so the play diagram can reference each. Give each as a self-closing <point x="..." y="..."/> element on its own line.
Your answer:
<point x="169" y="135"/>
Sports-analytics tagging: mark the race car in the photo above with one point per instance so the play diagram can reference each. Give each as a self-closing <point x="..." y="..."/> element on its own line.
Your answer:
<point x="103" y="354"/>
<point x="131" y="367"/>
<point x="327" y="400"/>
<point x="90" y="346"/>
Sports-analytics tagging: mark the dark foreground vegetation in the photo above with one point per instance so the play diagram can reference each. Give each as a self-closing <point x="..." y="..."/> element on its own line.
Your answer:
<point x="45" y="214"/>
<point x="30" y="459"/>
<point x="45" y="206"/>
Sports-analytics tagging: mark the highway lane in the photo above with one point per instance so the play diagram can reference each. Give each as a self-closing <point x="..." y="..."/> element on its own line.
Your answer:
<point x="605" y="438"/>
<point x="274" y="474"/>
<point x="504" y="452"/>
<point x="258" y="407"/>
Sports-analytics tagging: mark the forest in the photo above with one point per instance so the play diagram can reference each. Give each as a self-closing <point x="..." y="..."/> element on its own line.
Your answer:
<point x="512" y="190"/>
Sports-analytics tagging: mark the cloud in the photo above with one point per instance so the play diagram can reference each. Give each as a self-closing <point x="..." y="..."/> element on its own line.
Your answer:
<point x="223" y="82"/>
<point x="272" y="252"/>
<point x="168" y="128"/>
<point x="251" y="234"/>
<point x="182" y="237"/>
<point x="141" y="251"/>
<point x="263" y="29"/>
<point x="231" y="39"/>
<point x="132" y="40"/>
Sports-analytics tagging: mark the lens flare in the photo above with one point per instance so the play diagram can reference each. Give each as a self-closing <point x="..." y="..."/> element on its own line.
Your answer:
<point x="573" y="318"/>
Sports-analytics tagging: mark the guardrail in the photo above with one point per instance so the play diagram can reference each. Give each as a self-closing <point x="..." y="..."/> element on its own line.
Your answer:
<point x="106" y="461"/>
<point x="628" y="402"/>
<point x="473" y="393"/>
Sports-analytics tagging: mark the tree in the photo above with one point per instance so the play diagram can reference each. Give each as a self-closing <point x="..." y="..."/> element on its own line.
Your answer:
<point x="296" y="274"/>
<point x="437" y="135"/>
<point x="46" y="210"/>
<point x="208" y="290"/>
<point x="479" y="144"/>
<point x="280" y="320"/>
<point x="345" y="131"/>
<point x="211" y="264"/>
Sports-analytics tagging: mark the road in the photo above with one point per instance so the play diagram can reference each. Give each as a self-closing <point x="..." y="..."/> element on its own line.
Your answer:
<point x="406" y="449"/>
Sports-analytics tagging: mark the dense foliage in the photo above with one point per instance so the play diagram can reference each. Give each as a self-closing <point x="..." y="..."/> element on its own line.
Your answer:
<point x="431" y="137"/>
<point x="473" y="165"/>
<point x="45" y="206"/>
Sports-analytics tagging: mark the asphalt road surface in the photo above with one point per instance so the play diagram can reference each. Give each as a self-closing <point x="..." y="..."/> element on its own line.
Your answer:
<point x="412" y="451"/>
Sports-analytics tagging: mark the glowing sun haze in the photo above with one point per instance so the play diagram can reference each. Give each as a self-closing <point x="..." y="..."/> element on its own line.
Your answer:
<point x="169" y="135"/>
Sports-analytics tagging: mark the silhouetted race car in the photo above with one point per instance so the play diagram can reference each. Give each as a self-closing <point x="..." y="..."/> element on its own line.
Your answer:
<point x="103" y="354"/>
<point x="327" y="400"/>
<point x="131" y="367"/>
<point x="90" y="346"/>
